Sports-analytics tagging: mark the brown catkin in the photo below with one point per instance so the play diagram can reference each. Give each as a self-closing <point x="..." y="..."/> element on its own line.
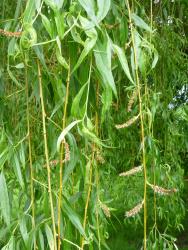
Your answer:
<point x="135" y="210"/>
<point x="132" y="99"/>
<point x="67" y="151"/>
<point x="132" y="171"/>
<point x="99" y="157"/>
<point x="10" y="34"/>
<point x="128" y="123"/>
<point x="161" y="190"/>
<point x="105" y="209"/>
<point x="67" y="156"/>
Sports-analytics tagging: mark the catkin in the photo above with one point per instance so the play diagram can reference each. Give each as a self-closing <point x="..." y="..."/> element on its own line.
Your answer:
<point x="135" y="210"/>
<point x="131" y="101"/>
<point x="105" y="209"/>
<point x="128" y="123"/>
<point x="99" y="157"/>
<point x="67" y="156"/>
<point x="10" y="34"/>
<point x="132" y="171"/>
<point x="161" y="190"/>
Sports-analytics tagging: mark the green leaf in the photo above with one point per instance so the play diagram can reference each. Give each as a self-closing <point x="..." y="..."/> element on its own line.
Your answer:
<point x="59" y="20"/>
<point x="38" y="4"/>
<point x="19" y="66"/>
<point x="64" y="132"/>
<point x="3" y="157"/>
<point x="29" y="37"/>
<point x="140" y="22"/>
<point x="91" y="136"/>
<point x="75" y="109"/>
<point x="121" y="55"/>
<point x="103" y="63"/>
<point x="17" y="170"/>
<point x="50" y="237"/>
<point x="41" y="240"/>
<point x="54" y="4"/>
<point x="75" y="34"/>
<point x="103" y="8"/>
<point x="23" y="230"/>
<point x="156" y="58"/>
<point x="29" y="11"/>
<point x="88" y="45"/>
<point x="47" y="25"/>
<point x="106" y="101"/>
<point x="73" y="217"/>
<point x="13" y="78"/>
<point x="12" y="47"/>
<point x="89" y="7"/>
<point x="61" y="59"/>
<point x="39" y="52"/>
<point x="4" y="199"/>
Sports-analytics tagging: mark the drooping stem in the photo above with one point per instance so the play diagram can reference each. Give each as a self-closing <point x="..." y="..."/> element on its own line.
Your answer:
<point x="61" y="161"/>
<point x="91" y="165"/>
<point x="154" y="177"/>
<point x="97" y="170"/>
<point x="88" y="195"/>
<point x="141" y="124"/>
<point x="30" y="151"/>
<point x="46" y="153"/>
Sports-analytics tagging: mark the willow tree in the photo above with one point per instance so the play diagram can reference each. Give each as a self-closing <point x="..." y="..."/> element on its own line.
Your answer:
<point x="93" y="122"/>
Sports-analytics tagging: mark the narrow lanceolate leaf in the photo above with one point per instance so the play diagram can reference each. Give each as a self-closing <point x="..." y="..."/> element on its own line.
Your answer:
<point x="59" y="20"/>
<point x="50" y="237"/>
<point x="128" y="123"/>
<point x="103" y="63"/>
<point x="61" y="59"/>
<point x="91" y="136"/>
<point x="88" y="45"/>
<point x="23" y="230"/>
<point x="121" y="55"/>
<point x="4" y="199"/>
<point x="17" y="170"/>
<point x="54" y="4"/>
<point x="89" y="7"/>
<point x="64" y="132"/>
<point x="73" y="217"/>
<point x="41" y="240"/>
<point x="155" y="60"/>
<point x="140" y="22"/>
<point x="76" y="110"/>
<point x="29" y="11"/>
<point x="47" y="25"/>
<point x="103" y="8"/>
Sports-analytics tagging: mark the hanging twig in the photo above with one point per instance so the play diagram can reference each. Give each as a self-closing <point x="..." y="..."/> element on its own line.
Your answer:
<point x="61" y="161"/>
<point x="141" y="124"/>
<point x="30" y="151"/>
<point x="46" y="154"/>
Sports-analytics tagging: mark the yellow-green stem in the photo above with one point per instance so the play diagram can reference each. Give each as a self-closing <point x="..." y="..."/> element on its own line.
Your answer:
<point x="154" y="177"/>
<point x="46" y="154"/>
<point x="61" y="162"/>
<point x="30" y="152"/>
<point x="141" y="127"/>
<point x="88" y="196"/>
<point x="97" y="171"/>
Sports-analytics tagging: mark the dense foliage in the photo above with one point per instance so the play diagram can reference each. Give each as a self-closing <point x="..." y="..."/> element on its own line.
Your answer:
<point x="93" y="124"/>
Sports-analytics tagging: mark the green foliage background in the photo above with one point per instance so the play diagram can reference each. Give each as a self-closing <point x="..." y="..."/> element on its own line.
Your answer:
<point x="74" y="71"/>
